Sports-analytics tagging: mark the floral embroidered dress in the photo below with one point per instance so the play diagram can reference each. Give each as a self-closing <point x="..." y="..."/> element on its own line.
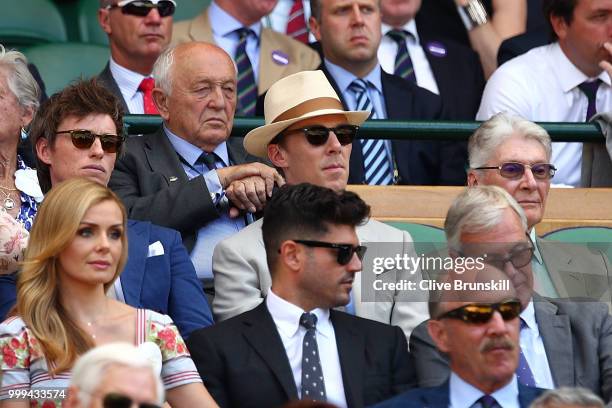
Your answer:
<point x="23" y="366"/>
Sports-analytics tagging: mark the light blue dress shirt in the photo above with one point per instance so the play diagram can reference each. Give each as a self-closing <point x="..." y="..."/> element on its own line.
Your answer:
<point x="220" y="228"/>
<point x="465" y="395"/>
<point x="223" y="28"/>
<point x="533" y="349"/>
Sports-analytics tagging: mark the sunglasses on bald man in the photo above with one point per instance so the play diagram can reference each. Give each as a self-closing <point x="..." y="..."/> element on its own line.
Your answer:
<point x="141" y="8"/>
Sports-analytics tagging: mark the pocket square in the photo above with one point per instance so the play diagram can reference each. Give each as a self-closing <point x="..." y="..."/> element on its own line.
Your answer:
<point x="155" y="249"/>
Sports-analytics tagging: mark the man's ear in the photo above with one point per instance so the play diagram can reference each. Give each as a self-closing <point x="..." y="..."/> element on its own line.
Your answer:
<point x="291" y="255"/>
<point x="559" y="26"/>
<point x="472" y="178"/>
<point x="438" y="334"/>
<point x="104" y="20"/>
<point x="43" y="150"/>
<point x="315" y="28"/>
<point x="277" y="155"/>
<point x="161" y="101"/>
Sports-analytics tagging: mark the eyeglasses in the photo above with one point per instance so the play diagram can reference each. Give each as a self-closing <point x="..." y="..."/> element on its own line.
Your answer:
<point x="318" y="135"/>
<point x="114" y="400"/>
<point x="83" y="139"/>
<point x="141" y="8"/>
<point x="480" y="313"/>
<point x="514" y="170"/>
<point x="345" y="251"/>
<point x="518" y="257"/>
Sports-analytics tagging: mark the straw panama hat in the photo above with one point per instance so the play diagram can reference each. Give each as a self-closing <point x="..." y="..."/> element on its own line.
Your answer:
<point x="292" y="99"/>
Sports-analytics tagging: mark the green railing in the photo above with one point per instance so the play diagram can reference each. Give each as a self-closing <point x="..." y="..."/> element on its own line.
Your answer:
<point x="389" y="129"/>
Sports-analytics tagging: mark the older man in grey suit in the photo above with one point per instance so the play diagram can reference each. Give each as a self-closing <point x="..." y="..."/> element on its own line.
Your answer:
<point x="564" y="342"/>
<point x="308" y="137"/>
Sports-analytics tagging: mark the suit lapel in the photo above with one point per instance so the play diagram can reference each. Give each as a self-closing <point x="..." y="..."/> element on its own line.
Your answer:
<point x="351" y="349"/>
<point x="200" y="29"/>
<point x="269" y="71"/>
<point x="556" y="336"/>
<point x="163" y="158"/>
<point x="562" y="271"/>
<point x="133" y="274"/>
<point x="261" y="333"/>
<point x="436" y="396"/>
<point x="106" y="77"/>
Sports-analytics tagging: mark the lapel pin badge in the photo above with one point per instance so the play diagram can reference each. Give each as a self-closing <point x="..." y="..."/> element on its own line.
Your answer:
<point x="437" y="49"/>
<point x="173" y="178"/>
<point x="280" y="58"/>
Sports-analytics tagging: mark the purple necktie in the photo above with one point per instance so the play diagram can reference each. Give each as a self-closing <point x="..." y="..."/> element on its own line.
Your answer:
<point x="487" y="401"/>
<point x="590" y="90"/>
<point x="523" y="372"/>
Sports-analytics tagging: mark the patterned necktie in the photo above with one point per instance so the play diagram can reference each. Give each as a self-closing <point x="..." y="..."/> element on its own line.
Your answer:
<point x="296" y="25"/>
<point x="208" y="159"/>
<point x="524" y="374"/>
<point x="247" y="89"/>
<point x="313" y="385"/>
<point x="403" y="63"/>
<point x="376" y="164"/>
<point x="487" y="401"/>
<point x="146" y="87"/>
<point x="590" y="90"/>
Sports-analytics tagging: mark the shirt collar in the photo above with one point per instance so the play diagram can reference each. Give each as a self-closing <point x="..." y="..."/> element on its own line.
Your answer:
<point x="409" y="26"/>
<point x="191" y="153"/>
<point x="569" y="76"/>
<point x="125" y="78"/>
<point x="224" y="24"/>
<point x="463" y="394"/>
<point x="344" y="78"/>
<point x="536" y="249"/>
<point x="528" y="316"/>
<point x="286" y="316"/>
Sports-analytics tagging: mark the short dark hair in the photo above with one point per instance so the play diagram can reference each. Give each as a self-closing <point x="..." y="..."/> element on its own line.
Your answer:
<point x="558" y="8"/>
<point x="315" y="9"/>
<point x="305" y="211"/>
<point x="79" y="99"/>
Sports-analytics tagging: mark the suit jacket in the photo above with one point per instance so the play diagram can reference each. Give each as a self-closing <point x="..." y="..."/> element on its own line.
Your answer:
<point x="243" y="362"/>
<point x="418" y="162"/>
<point x="577" y="271"/>
<point x="597" y="157"/>
<point x="164" y="281"/>
<point x="242" y="277"/>
<point x="577" y="337"/>
<point x="153" y="185"/>
<point x="439" y="397"/>
<point x="106" y="78"/>
<point x="300" y="56"/>
<point x="520" y="44"/>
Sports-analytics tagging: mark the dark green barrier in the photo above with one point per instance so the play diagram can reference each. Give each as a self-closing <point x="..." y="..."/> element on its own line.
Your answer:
<point x="390" y="129"/>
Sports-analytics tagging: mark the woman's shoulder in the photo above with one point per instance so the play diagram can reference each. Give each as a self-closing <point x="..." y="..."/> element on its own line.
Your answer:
<point x="17" y="342"/>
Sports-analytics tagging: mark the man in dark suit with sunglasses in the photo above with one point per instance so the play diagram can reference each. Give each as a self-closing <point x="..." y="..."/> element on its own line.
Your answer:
<point x="478" y="329"/>
<point x="138" y="31"/>
<point x="294" y="345"/>
<point x="565" y="342"/>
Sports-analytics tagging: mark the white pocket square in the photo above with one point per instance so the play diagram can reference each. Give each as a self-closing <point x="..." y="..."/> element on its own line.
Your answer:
<point x="156" y="249"/>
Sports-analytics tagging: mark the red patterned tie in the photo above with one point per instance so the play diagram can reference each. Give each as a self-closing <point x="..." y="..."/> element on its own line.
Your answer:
<point x="146" y="87"/>
<point x="296" y="25"/>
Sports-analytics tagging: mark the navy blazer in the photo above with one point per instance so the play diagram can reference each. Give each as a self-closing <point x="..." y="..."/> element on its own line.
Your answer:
<point x="438" y="397"/>
<point x="166" y="283"/>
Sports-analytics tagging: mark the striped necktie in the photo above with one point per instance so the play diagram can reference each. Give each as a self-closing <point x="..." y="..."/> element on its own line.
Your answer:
<point x="247" y="89"/>
<point x="296" y="25"/>
<point x="590" y="90"/>
<point x="403" y="63"/>
<point x="376" y="164"/>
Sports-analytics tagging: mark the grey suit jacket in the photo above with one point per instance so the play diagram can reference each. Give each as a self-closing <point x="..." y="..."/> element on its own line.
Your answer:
<point x="153" y="185"/>
<point x="597" y="157"/>
<point x="242" y="278"/>
<point x="577" y="271"/>
<point x="106" y="78"/>
<point x="300" y="57"/>
<point x="577" y="337"/>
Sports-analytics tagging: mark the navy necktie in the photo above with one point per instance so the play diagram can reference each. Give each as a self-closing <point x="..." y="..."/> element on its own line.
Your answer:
<point x="313" y="385"/>
<point x="208" y="159"/>
<point x="590" y="90"/>
<point x="376" y="164"/>
<point x="247" y="88"/>
<point x="403" y="62"/>
<point x="487" y="401"/>
<point x="524" y="375"/>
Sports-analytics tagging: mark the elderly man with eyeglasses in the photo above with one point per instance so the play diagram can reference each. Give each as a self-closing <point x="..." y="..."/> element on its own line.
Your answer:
<point x="138" y="31"/>
<point x="514" y="154"/>
<point x="564" y="342"/>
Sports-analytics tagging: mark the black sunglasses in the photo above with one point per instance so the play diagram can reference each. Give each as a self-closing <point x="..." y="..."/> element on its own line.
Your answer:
<point x="480" y="313"/>
<point x="83" y="139"/>
<point x="114" y="400"/>
<point x="514" y="170"/>
<point x="317" y="135"/>
<point x="141" y="8"/>
<point x="345" y="251"/>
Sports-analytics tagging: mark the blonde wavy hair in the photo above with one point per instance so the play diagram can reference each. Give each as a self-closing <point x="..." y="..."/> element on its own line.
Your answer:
<point x="38" y="300"/>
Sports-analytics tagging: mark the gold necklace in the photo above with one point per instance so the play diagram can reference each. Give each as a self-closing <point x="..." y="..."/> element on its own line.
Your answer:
<point x="8" y="203"/>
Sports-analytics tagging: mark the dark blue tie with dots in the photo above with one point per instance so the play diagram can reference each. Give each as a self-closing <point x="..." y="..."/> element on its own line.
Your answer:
<point x="313" y="385"/>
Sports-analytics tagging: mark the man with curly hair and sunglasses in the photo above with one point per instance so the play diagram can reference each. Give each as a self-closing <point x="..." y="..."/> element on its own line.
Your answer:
<point x="138" y="31"/>
<point x="564" y="342"/>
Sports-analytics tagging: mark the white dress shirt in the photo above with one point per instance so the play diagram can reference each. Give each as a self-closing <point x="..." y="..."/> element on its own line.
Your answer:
<point x="128" y="83"/>
<point x="542" y="86"/>
<point x="464" y="395"/>
<point x="533" y="349"/>
<point x="279" y="17"/>
<point x="387" y="52"/>
<point x="286" y="317"/>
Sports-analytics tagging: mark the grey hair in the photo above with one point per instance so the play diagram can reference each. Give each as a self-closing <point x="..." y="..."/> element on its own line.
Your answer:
<point x="568" y="396"/>
<point x="90" y="368"/>
<point x="478" y="209"/>
<point x="492" y="133"/>
<point x="162" y="70"/>
<point x="19" y="79"/>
